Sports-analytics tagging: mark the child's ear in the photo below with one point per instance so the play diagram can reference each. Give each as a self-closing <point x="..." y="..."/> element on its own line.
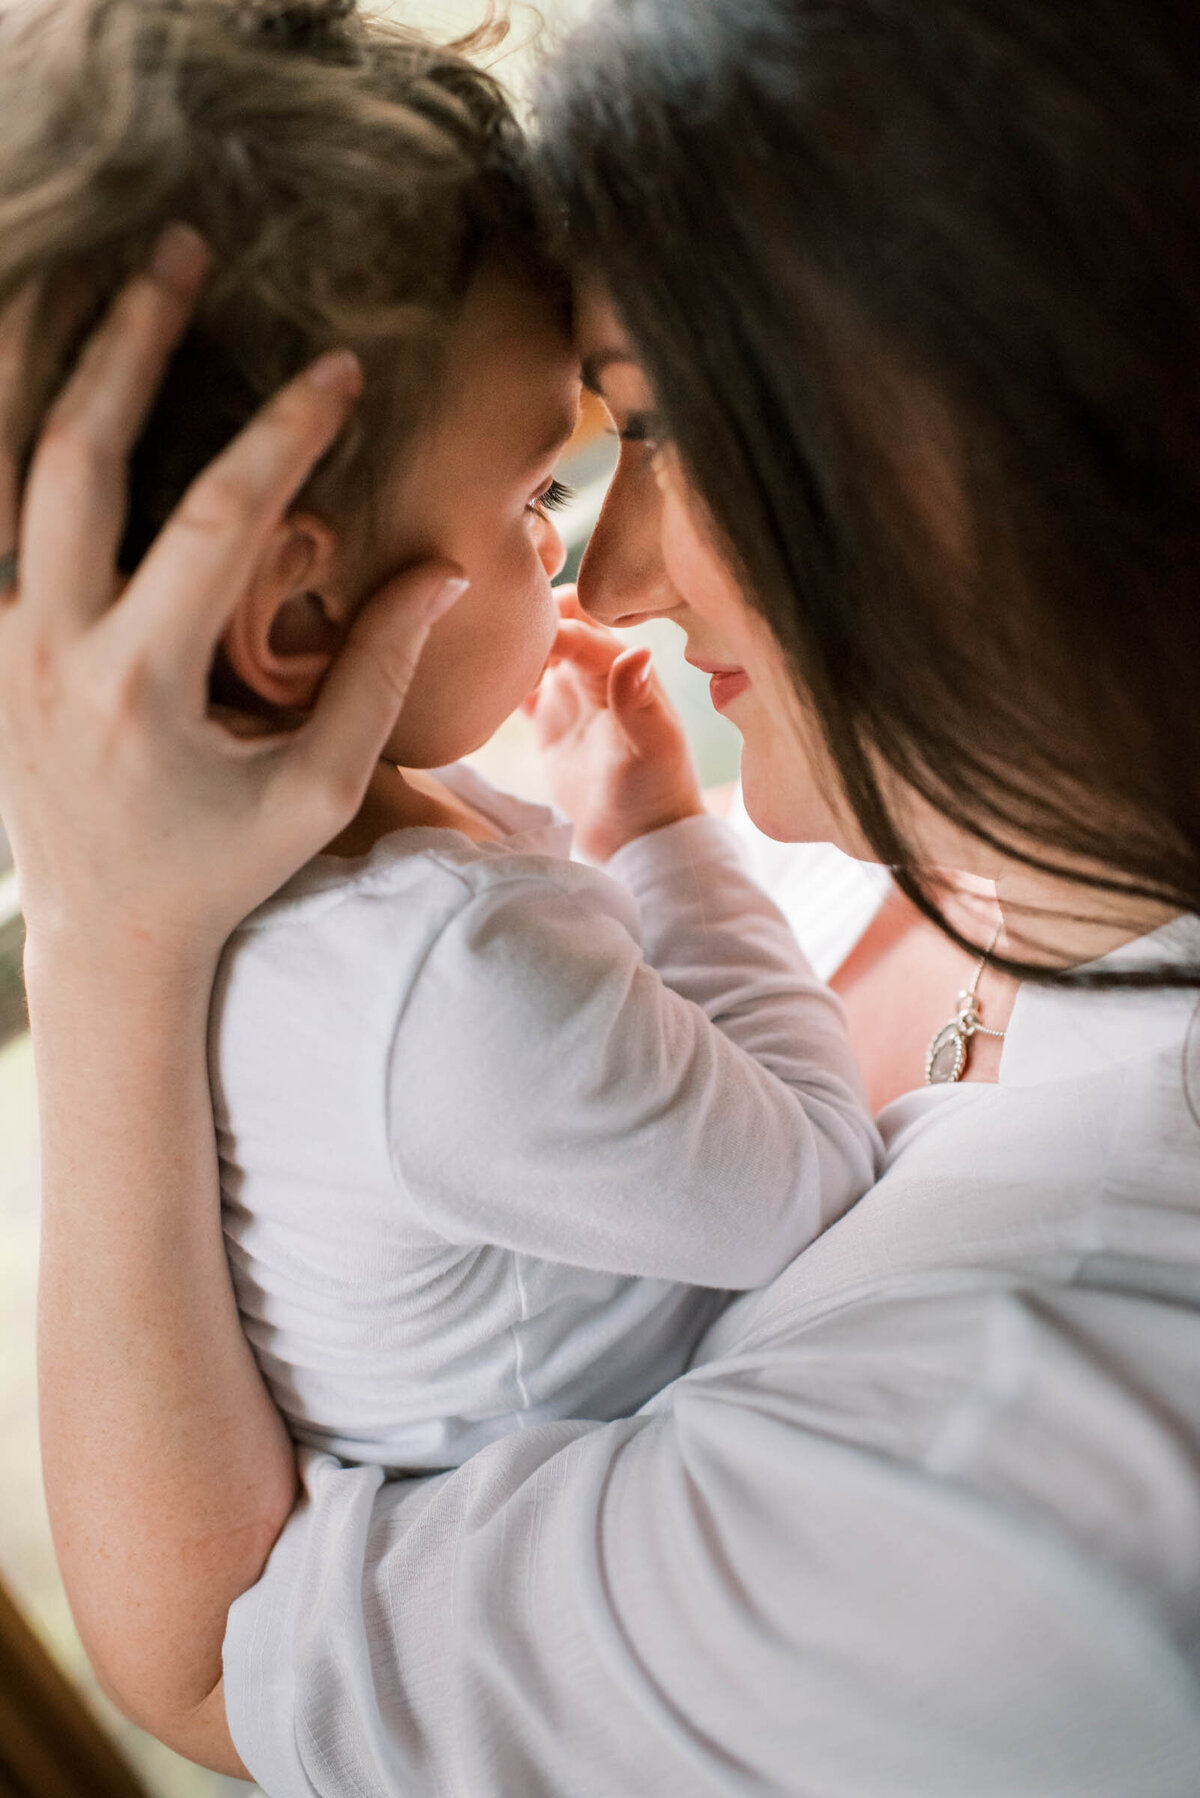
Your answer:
<point x="285" y="631"/>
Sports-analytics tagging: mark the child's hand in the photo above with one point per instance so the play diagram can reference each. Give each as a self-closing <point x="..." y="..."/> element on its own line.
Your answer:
<point x="615" y="752"/>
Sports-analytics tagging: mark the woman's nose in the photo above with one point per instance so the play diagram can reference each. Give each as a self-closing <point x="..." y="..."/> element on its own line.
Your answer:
<point x="622" y="579"/>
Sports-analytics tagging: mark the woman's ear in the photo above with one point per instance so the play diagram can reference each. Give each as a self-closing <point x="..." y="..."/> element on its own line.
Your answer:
<point x="286" y="628"/>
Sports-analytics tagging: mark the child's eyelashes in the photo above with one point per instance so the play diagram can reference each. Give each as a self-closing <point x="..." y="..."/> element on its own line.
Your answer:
<point x="555" y="499"/>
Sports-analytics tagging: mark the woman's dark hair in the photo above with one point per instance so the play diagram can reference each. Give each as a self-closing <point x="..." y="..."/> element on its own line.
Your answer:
<point x="916" y="285"/>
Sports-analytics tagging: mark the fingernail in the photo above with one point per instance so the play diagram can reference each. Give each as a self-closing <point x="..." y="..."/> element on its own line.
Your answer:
<point x="446" y="595"/>
<point x="180" y="256"/>
<point x="339" y="371"/>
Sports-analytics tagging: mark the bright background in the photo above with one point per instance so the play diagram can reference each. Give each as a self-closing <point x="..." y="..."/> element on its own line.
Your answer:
<point x="26" y="1558"/>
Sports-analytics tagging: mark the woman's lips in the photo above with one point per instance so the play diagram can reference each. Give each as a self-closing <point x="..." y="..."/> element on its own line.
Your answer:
<point x="725" y="682"/>
<point x="726" y="685"/>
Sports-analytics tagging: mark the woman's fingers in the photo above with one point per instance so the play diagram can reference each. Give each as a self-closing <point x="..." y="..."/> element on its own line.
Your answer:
<point x="363" y="692"/>
<point x="74" y="506"/>
<point x="195" y="571"/>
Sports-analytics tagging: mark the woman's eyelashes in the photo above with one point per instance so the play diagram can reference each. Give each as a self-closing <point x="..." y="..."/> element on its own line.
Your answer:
<point x="642" y="428"/>
<point x="556" y="498"/>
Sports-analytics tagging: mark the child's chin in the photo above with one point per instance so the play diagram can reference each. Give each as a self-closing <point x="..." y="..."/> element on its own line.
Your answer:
<point x="437" y="749"/>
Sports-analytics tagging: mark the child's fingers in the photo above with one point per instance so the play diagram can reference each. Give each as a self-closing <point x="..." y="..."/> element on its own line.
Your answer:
<point x="631" y="681"/>
<point x="179" y="601"/>
<point x="570" y="611"/>
<point x="581" y="645"/>
<point x="365" y="689"/>
<point x="640" y="707"/>
<point x="556" y="703"/>
<point x="74" y="506"/>
<point x="634" y="696"/>
<point x="548" y="680"/>
<point x="567" y="600"/>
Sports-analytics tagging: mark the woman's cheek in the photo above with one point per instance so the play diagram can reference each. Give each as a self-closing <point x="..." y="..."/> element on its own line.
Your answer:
<point x="789" y="781"/>
<point x="694" y="568"/>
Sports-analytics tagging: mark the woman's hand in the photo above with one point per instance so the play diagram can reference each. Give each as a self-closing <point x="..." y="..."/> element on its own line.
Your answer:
<point x="614" y="747"/>
<point x="138" y="820"/>
<point x="143" y="832"/>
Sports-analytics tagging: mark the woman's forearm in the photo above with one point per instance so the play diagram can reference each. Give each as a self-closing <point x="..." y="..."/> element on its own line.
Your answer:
<point x="168" y="1470"/>
<point x="137" y="821"/>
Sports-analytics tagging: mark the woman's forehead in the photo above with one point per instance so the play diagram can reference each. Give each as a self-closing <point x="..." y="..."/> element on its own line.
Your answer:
<point x="600" y="334"/>
<point x="608" y="361"/>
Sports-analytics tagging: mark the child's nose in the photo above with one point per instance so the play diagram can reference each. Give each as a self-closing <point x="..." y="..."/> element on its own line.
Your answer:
<point x="552" y="551"/>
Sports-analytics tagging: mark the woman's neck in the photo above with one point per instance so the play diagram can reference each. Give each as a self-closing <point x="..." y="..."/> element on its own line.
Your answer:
<point x="1056" y="923"/>
<point x="900" y="982"/>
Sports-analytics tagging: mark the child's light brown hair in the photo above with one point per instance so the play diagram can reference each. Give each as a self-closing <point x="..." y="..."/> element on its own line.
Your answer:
<point x="348" y="174"/>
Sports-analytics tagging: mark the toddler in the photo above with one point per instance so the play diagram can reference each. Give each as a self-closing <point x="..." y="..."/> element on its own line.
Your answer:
<point x="499" y="1131"/>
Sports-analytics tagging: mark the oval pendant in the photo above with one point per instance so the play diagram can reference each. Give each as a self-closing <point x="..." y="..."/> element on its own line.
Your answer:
<point x="947" y="1055"/>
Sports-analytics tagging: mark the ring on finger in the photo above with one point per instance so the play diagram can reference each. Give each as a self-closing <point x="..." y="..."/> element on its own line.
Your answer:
<point x="8" y="571"/>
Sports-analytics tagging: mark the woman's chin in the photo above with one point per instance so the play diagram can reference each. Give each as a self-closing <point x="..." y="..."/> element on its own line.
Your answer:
<point x="787" y="814"/>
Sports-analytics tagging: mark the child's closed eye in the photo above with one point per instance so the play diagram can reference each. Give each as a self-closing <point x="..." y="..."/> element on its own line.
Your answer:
<point x="556" y="497"/>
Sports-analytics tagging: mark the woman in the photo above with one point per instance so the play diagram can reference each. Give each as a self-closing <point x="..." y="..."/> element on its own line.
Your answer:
<point x="909" y="297"/>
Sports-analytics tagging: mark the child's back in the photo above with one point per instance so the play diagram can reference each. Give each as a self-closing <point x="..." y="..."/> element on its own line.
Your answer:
<point x="473" y="1146"/>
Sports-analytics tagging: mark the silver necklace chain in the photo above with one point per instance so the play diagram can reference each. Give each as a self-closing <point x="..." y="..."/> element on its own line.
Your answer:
<point x="946" y="1060"/>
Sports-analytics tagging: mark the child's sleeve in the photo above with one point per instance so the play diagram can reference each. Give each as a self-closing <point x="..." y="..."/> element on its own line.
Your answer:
<point x="550" y="1093"/>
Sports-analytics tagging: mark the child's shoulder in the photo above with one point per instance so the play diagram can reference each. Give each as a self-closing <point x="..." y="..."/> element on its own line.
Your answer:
<point x="419" y="881"/>
<point x="413" y="866"/>
<point x="426" y="907"/>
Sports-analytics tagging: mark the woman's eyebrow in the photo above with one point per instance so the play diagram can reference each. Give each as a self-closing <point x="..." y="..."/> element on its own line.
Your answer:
<point x="595" y="365"/>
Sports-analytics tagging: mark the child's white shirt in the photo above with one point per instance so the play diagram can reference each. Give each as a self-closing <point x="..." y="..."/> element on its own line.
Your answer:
<point x="500" y="1131"/>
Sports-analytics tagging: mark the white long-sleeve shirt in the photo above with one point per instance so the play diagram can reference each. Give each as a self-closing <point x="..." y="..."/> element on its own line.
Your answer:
<point x="499" y="1132"/>
<point x="923" y="1521"/>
